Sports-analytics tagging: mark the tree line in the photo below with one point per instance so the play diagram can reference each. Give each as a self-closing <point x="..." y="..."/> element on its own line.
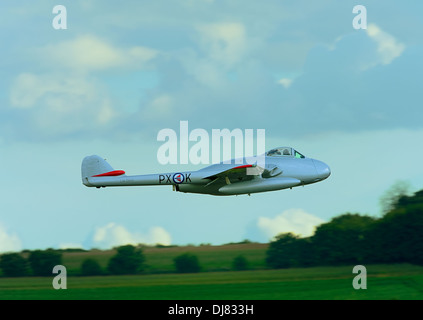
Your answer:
<point x="351" y="239"/>
<point x="127" y="260"/>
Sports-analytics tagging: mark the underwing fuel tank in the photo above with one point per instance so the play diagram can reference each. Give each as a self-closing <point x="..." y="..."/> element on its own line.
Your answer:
<point x="260" y="185"/>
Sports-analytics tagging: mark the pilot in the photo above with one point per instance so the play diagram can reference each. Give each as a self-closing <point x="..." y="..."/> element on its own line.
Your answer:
<point x="272" y="152"/>
<point x="286" y="152"/>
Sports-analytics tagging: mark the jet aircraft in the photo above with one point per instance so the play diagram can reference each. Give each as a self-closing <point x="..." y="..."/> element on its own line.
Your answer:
<point x="284" y="168"/>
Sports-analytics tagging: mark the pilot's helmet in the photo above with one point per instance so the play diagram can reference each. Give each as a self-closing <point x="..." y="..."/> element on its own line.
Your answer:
<point x="286" y="152"/>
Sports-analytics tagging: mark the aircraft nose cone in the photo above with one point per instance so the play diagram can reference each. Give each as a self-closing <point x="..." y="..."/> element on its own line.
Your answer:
<point x="322" y="169"/>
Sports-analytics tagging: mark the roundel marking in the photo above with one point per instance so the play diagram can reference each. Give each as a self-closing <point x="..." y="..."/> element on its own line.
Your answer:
<point x="178" y="178"/>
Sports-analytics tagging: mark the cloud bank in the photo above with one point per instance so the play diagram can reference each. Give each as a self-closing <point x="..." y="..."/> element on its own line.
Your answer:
<point x="314" y="79"/>
<point x="9" y="242"/>
<point x="296" y="221"/>
<point x="112" y="235"/>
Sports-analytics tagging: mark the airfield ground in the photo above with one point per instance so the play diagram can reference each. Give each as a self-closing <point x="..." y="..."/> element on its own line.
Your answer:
<point x="216" y="281"/>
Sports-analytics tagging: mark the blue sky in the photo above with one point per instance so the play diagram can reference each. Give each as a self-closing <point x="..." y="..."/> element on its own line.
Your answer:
<point x="120" y="73"/>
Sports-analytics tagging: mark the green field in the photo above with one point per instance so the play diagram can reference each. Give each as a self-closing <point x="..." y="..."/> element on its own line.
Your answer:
<point x="384" y="282"/>
<point x="217" y="281"/>
<point x="160" y="260"/>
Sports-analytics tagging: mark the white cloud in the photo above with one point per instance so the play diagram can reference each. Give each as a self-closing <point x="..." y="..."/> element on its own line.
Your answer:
<point x="9" y="242"/>
<point x="28" y="89"/>
<point x="58" y="104"/>
<point x="106" y="112"/>
<point x="296" y="221"/>
<point x="160" y="107"/>
<point x="388" y="47"/>
<point x="20" y="96"/>
<point x="286" y="82"/>
<point x="88" y="53"/>
<point x="220" y="49"/>
<point x="112" y="235"/>
<point x="71" y="99"/>
<point x="224" y="42"/>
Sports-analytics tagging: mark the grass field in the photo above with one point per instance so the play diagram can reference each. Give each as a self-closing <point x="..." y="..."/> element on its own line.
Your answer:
<point x="384" y="282"/>
<point x="217" y="281"/>
<point x="160" y="260"/>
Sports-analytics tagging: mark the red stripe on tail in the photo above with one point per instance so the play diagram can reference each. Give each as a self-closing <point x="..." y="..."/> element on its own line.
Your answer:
<point x="111" y="173"/>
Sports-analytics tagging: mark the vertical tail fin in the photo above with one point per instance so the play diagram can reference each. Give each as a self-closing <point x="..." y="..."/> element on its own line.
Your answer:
<point x="95" y="166"/>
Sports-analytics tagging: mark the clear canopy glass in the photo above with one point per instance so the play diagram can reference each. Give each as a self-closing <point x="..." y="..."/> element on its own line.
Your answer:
<point x="284" y="152"/>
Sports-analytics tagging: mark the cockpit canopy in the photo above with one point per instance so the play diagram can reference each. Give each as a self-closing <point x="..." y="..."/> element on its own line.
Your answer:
<point x="284" y="152"/>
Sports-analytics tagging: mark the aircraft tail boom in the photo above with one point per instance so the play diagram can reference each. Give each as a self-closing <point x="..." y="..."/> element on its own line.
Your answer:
<point x="96" y="172"/>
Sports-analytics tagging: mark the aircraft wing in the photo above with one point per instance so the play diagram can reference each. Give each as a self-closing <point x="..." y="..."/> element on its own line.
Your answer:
<point x="236" y="179"/>
<point x="227" y="170"/>
<point x="243" y="171"/>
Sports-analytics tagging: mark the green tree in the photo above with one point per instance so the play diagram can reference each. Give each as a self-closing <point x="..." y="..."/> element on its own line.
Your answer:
<point x="343" y="240"/>
<point x="398" y="236"/>
<point x="389" y="200"/>
<point x="127" y="260"/>
<point x="410" y="201"/>
<point x="289" y="250"/>
<point x="42" y="262"/>
<point x="13" y="265"/>
<point x="187" y="263"/>
<point x="240" y="263"/>
<point x="90" y="267"/>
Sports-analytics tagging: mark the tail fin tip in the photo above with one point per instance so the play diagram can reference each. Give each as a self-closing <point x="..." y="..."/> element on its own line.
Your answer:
<point x="96" y="166"/>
